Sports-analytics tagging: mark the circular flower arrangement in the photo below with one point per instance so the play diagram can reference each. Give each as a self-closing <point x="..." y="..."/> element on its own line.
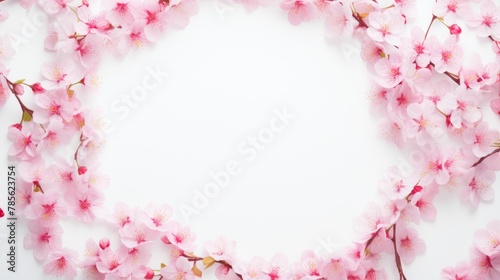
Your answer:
<point x="431" y="100"/>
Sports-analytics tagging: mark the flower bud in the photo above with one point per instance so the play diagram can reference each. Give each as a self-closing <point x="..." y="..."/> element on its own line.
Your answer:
<point x="455" y="29"/>
<point x="18" y="89"/>
<point x="82" y="170"/>
<point x="149" y="274"/>
<point x="104" y="243"/>
<point x="37" y="88"/>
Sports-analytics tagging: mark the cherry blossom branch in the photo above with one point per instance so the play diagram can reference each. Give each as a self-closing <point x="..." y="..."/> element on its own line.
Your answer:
<point x="396" y="255"/>
<point x="485" y="157"/>
<point x="429" y="27"/>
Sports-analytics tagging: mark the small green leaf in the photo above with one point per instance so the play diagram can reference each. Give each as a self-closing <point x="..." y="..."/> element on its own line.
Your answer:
<point x="26" y="116"/>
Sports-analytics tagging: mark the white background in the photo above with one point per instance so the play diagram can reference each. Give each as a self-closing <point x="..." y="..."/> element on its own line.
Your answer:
<point x="228" y="72"/>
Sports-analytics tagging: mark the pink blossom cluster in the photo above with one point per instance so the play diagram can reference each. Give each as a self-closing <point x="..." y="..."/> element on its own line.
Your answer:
<point x="431" y="98"/>
<point x="484" y="260"/>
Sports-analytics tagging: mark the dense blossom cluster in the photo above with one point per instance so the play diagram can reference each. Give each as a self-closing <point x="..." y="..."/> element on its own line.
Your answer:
<point x="433" y="102"/>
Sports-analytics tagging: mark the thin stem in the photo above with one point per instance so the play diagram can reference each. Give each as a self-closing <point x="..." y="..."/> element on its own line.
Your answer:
<point x="485" y="157"/>
<point x="396" y="255"/>
<point x="429" y="28"/>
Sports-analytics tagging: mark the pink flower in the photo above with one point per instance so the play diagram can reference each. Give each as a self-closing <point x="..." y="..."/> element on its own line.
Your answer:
<point x="251" y="5"/>
<point x="417" y="48"/>
<point x="369" y="223"/>
<point x="253" y="270"/>
<point x="392" y="131"/>
<point x="133" y="235"/>
<point x="181" y="236"/>
<point x="402" y="97"/>
<point x="424" y="119"/>
<point x="6" y="50"/>
<point x="488" y="23"/>
<point x="390" y="71"/>
<point x="386" y="26"/>
<point x="225" y="272"/>
<point x="179" y="12"/>
<point x="461" y="272"/>
<point x="477" y="75"/>
<point x="495" y="106"/>
<point x="222" y="249"/>
<point x="178" y="269"/>
<point x="83" y="203"/>
<point x="122" y="215"/>
<point x="488" y="240"/>
<point x="310" y="265"/>
<point x="46" y="208"/>
<point x="481" y="138"/>
<point x="24" y="192"/>
<point x="91" y="254"/>
<point x="61" y="73"/>
<point x="134" y="265"/>
<point x="434" y="91"/>
<point x="157" y="217"/>
<point x="55" y="135"/>
<point x="299" y="10"/>
<point x="277" y="267"/>
<point x="43" y="239"/>
<point x="408" y="243"/>
<point x="152" y="17"/>
<point x="477" y="186"/>
<point x="461" y="106"/>
<point x="338" y="19"/>
<point x="110" y="261"/>
<point x="423" y="200"/>
<point x="54" y="105"/>
<point x="53" y="6"/>
<point x="62" y="263"/>
<point x="24" y="140"/>
<point x="119" y="12"/>
<point x="89" y="23"/>
<point x="89" y="50"/>
<point x="447" y="56"/>
<point x="4" y="92"/>
<point x="449" y="10"/>
<point x="394" y="186"/>
<point x="482" y="266"/>
<point x="336" y="266"/>
<point x="134" y="39"/>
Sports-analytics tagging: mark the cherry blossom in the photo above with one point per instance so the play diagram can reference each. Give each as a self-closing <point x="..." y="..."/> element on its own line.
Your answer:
<point x="83" y="203"/>
<point x="277" y="267"/>
<point x="446" y="56"/>
<point x="46" y="208"/>
<point x="151" y="15"/>
<point x="495" y="106"/>
<point x="62" y="264"/>
<point x="408" y="243"/>
<point x="481" y="137"/>
<point x="417" y="48"/>
<point x="488" y="240"/>
<point x="133" y="235"/>
<point x="24" y="140"/>
<point x="179" y="12"/>
<point x="395" y="186"/>
<point x="222" y="249"/>
<point x="488" y="22"/>
<point x="337" y="20"/>
<point x="482" y="266"/>
<point x="478" y="186"/>
<point x="179" y="269"/>
<point x="43" y="239"/>
<point x="110" y="261"/>
<point x="157" y="217"/>
<point x="60" y="73"/>
<point x="89" y="23"/>
<point x="181" y="236"/>
<point x="461" y="106"/>
<point x="390" y="71"/>
<point x="386" y="26"/>
<point x="461" y="272"/>
<point x="424" y="202"/>
<point x="299" y="10"/>
<point x="54" y="105"/>
<point x="251" y="5"/>
<point x="450" y="10"/>
<point x="253" y="270"/>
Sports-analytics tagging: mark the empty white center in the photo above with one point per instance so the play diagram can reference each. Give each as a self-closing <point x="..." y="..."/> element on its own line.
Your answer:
<point x="261" y="132"/>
